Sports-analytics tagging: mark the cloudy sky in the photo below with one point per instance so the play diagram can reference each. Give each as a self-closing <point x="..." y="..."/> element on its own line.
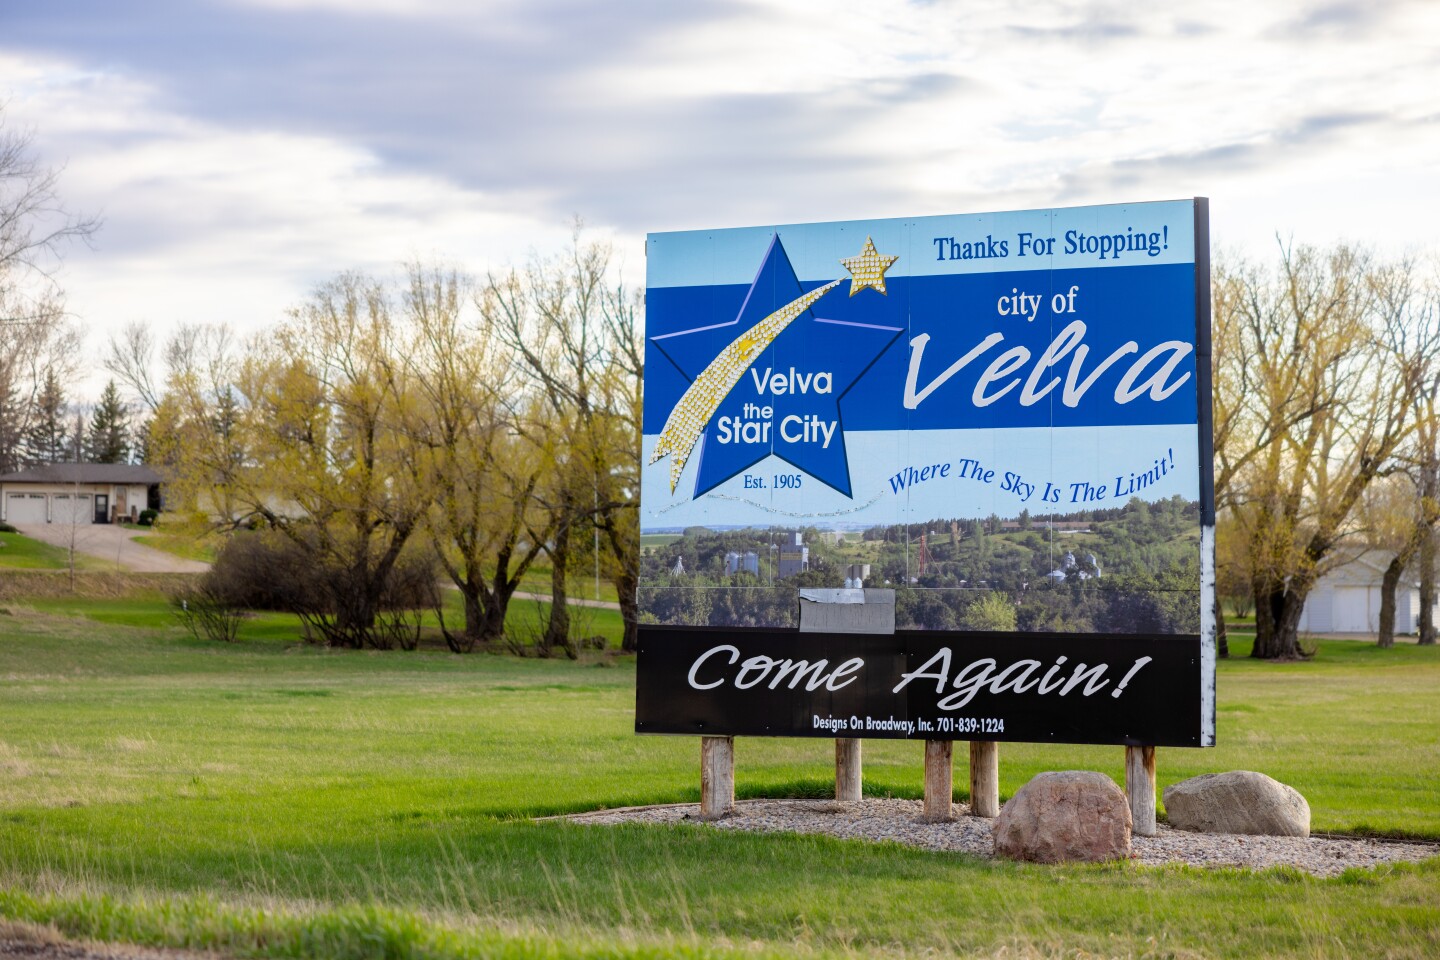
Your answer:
<point x="240" y="151"/>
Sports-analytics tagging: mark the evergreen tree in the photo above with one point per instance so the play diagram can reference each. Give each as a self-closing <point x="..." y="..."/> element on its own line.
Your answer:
<point x="48" y="440"/>
<point x="109" y="437"/>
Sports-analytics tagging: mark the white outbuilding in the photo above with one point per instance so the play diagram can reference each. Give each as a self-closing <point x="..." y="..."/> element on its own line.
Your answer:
<point x="1347" y="599"/>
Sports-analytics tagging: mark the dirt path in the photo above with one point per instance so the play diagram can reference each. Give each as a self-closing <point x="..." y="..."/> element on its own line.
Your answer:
<point x="113" y="543"/>
<point x="572" y="601"/>
<point x="62" y="950"/>
<point x="43" y="943"/>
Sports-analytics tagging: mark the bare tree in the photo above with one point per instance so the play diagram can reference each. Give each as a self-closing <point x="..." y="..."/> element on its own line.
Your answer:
<point x="36" y="337"/>
<point x="35" y="229"/>
<point x="131" y="358"/>
<point x="620" y="522"/>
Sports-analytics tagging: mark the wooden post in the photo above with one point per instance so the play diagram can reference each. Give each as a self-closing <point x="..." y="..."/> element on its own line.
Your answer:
<point x="847" y="768"/>
<point x="1140" y="789"/>
<point x="939" y="781"/>
<point x="984" y="778"/>
<point x="717" y="777"/>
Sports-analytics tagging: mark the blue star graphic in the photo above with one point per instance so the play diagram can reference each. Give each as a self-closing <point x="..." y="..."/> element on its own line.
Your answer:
<point x="800" y="379"/>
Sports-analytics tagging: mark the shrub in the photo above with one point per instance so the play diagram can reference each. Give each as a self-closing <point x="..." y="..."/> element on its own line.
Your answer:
<point x="206" y="614"/>
<point x="147" y="517"/>
<point x="260" y="571"/>
<point x="6" y="528"/>
<point x="993" y="611"/>
<point x="267" y="570"/>
<point x="1309" y="645"/>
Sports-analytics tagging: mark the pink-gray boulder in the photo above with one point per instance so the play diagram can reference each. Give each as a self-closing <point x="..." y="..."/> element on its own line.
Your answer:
<point x="1240" y="801"/>
<point x="1065" y="816"/>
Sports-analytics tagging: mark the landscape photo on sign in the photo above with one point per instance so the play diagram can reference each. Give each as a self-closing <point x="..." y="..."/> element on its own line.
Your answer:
<point x="997" y="415"/>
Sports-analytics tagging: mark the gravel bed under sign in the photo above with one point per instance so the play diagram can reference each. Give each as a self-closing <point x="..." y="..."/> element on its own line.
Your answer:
<point x="899" y="821"/>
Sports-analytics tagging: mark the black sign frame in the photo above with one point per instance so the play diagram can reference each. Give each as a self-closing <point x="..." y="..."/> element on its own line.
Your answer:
<point x="1016" y="687"/>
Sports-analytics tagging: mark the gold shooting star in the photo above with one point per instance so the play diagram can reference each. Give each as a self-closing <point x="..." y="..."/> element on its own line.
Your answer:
<point x="698" y="404"/>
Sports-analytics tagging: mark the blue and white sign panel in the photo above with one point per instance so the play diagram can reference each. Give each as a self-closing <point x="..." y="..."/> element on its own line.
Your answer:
<point x="1003" y="416"/>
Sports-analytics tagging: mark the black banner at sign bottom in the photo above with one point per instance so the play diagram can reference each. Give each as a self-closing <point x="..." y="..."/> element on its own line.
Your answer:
<point x="1029" y="687"/>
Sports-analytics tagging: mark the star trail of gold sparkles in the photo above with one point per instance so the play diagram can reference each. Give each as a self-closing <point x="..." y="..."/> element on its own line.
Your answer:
<point x="699" y="403"/>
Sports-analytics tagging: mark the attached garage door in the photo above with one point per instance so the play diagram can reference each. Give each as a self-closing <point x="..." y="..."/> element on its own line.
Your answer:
<point x="25" y="508"/>
<point x="67" y="509"/>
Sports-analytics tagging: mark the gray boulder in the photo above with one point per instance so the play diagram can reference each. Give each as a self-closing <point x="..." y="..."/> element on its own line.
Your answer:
<point x="1070" y="815"/>
<point x="1241" y="801"/>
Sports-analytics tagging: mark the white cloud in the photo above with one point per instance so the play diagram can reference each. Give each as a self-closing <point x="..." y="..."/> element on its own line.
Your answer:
<point x="243" y="152"/>
<point x="209" y="224"/>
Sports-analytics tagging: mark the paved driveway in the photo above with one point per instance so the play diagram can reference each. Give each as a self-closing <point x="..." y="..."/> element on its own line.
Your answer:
<point x="112" y="543"/>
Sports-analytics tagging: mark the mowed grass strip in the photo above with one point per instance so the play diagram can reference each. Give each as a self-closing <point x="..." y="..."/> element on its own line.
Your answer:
<point x="139" y="765"/>
<point x="355" y="931"/>
<point x="19" y="552"/>
<point x="857" y="901"/>
<point x="203" y="547"/>
<point x="525" y="620"/>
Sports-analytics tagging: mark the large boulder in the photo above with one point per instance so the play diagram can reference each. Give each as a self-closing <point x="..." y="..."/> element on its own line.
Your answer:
<point x="1070" y="815"/>
<point x="1241" y="801"/>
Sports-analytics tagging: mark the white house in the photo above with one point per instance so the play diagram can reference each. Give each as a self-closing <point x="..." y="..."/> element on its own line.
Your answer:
<point x="76" y="493"/>
<point x="1068" y="565"/>
<point x="1347" y="599"/>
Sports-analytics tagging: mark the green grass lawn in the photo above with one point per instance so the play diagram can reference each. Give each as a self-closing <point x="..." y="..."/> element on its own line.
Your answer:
<point x="19" y="552"/>
<point x="274" y="799"/>
<point x="525" y="619"/>
<point x="187" y="546"/>
<point x="580" y="584"/>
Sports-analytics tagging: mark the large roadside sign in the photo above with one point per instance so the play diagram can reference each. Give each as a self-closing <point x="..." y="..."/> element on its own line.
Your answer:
<point x="1004" y="418"/>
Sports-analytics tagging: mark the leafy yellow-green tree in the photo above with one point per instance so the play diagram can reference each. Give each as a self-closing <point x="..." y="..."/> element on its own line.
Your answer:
<point x="328" y="454"/>
<point x="487" y="425"/>
<point x="479" y="472"/>
<point x="196" y="434"/>
<point x="1319" y="365"/>
<point x="575" y="334"/>
<point x="1402" y="514"/>
<point x="1398" y="515"/>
